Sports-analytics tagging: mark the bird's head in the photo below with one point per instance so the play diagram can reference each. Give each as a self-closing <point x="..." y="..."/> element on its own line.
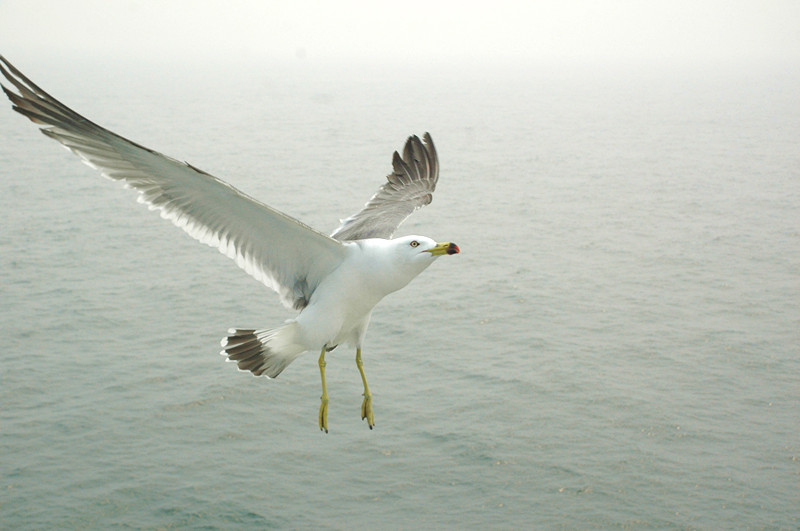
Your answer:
<point x="392" y="264"/>
<point x="422" y="251"/>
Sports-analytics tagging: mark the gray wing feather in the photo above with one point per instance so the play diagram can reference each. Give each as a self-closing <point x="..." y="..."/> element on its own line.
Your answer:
<point x="409" y="187"/>
<point x="277" y="250"/>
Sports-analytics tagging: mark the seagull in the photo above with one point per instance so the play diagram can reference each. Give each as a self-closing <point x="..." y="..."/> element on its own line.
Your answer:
<point x="333" y="281"/>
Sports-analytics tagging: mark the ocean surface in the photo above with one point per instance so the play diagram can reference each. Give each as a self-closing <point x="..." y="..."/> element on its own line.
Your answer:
<point x="617" y="345"/>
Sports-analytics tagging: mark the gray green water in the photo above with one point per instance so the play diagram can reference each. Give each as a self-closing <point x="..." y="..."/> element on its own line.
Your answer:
<point x="617" y="346"/>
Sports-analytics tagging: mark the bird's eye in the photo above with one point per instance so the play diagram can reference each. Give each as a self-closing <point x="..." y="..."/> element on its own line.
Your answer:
<point x="414" y="243"/>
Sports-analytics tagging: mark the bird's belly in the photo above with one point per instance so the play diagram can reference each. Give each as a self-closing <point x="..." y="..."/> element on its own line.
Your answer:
<point x="331" y="326"/>
<point x="339" y="316"/>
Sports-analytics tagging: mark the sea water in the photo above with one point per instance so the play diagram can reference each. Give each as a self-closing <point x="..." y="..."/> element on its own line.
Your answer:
<point x="617" y="345"/>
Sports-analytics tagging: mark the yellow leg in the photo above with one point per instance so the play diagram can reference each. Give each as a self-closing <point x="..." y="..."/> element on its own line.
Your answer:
<point x="323" y="407"/>
<point x="366" y="406"/>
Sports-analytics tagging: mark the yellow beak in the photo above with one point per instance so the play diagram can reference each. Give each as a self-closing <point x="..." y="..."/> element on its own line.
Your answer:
<point x="444" y="248"/>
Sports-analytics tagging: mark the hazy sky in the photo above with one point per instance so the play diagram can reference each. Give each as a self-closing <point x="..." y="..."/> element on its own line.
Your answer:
<point x="406" y="30"/>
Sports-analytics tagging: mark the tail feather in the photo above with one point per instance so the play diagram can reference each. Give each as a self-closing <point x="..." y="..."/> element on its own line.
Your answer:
<point x="243" y="351"/>
<point x="237" y="335"/>
<point x="262" y="352"/>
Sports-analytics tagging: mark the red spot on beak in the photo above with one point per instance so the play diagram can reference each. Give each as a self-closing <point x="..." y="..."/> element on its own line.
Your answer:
<point x="453" y="249"/>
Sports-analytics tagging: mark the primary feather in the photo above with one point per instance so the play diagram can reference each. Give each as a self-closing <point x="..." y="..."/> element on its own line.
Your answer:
<point x="409" y="187"/>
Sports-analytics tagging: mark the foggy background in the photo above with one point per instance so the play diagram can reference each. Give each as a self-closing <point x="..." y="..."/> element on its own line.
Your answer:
<point x="410" y="31"/>
<point x="616" y="346"/>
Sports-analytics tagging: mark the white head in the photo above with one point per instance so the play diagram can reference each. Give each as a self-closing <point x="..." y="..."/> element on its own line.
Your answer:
<point x="404" y="258"/>
<point x="422" y="249"/>
<point x="415" y="253"/>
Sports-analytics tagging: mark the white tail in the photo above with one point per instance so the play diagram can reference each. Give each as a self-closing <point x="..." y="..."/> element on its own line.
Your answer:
<point x="263" y="352"/>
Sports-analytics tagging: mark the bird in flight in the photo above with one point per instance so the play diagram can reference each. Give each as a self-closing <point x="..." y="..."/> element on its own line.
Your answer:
<point x="333" y="281"/>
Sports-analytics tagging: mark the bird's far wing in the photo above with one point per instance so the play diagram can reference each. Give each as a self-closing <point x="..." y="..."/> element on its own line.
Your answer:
<point x="279" y="251"/>
<point x="409" y="187"/>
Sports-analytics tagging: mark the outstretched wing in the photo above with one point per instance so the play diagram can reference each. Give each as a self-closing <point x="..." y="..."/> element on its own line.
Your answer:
<point x="279" y="251"/>
<point x="409" y="187"/>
